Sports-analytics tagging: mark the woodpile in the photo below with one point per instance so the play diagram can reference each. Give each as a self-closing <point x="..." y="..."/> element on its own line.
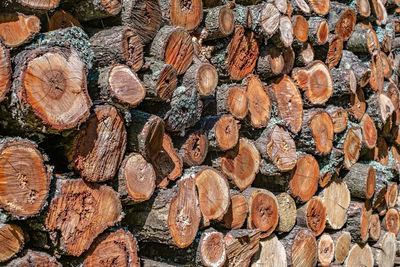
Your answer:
<point x="199" y="133"/>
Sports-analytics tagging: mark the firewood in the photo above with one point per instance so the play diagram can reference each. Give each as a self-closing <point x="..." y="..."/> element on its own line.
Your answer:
<point x="270" y="253"/>
<point x="340" y="119"/>
<point x="342" y="243"/>
<point x="270" y="62"/>
<point x="241" y="245"/>
<point x="384" y="250"/>
<point x="119" y="247"/>
<point x="362" y="40"/>
<point x="281" y="5"/>
<point x="379" y="11"/>
<point x="287" y="213"/>
<point x="361" y="181"/>
<point x="358" y="219"/>
<point x="174" y="46"/>
<point x="391" y="221"/>
<point x="236" y="215"/>
<point x="312" y="215"/>
<point x="361" y="70"/>
<point x="219" y="22"/>
<point x="336" y="199"/>
<point x="351" y="144"/>
<point x="301" y="6"/>
<point x="86" y="211"/>
<point x="17" y="28"/>
<point x="380" y="108"/>
<point x="321" y="8"/>
<point x="35" y="258"/>
<point x="242" y="15"/>
<point x="289" y="57"/>
<point x="184" y="14"/>
<point x="335" y="49"/>
<point x="300" y="28"/>
<point x="305" y="54"/>
<point x="326" y="249"/>
<point x="5" y="71"/>
<point x="32" y="4"/>
<point x="377" y="73"/>
<point x="266" y="19"/>
<point x="92" y="9"/>
<point x="285" y="36"/>
<point x="304" y="181"/>
<point x="203" y="77"/>
<point x="387" y="69"/>
<point x="342" y="19"/>
<point x="194" y="149"/>
<point x="232" y="99"/>
<point x="62" y="19"/>
<point x="222" y="132"/>
<point x="330" y="167"/>
<point x="362" y="7"/>
<point x="360" y="255"/>
<point x="25" y="177"/>
<point x="318" y="31"/>
<point x="374" y="227"/>
<point x="212" y="248"/>
<point x="98" y="148"/>
<point x="12" y="240"/>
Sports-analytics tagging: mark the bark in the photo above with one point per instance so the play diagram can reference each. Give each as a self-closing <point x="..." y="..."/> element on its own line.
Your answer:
<point x="270" y="253"/>
<point x="361" y="70"/>
<point x="219" y="22"/>
<point x="340" y="118"/>
<point x="358" y="219"/>
<point x="379" y="11"/>
<point x="17" y="28"/>
<point x="336" y="199"/>
<point x="362" y="40"/>
<point x="236" y="215"/>
<point x="284" y="38"/>
<point x="380" y="108"/>
<point x="342" y="19"/>
<point x="212" y="248"/>
<point x="361" y="181"/>
<point x="362" y="7"/>
<point x="351" y="144"/>
<point x="384" y="250"/>
<point x="304" y="180"/>
<point x="243" y="16"/>
<point x="326" y="249"/>
<point x="194" y="149"/>
<point x="312" y="215"/>
<point x="35" y="258"/>
<point x="342" y="243"/>
<point x="270" y="62"/>
<point x="31" y="4"/>
<point x="334" y="53"/>
<point x="318" y="30"/>
<point x="287" y="213"/>
<point x="5" y="71"/>
<point x="241" y="245"/>
<point x="330" y="167"/>
<point x="203" y="77"/>
<point x="12" y="240"/>
<point x="94" y="9"/>
<point x="232" y="99"/>
<point x="266" y="19"/>
<point x="360" y="255"/>
<point x="321" y="8"/>
<point x="305" y="54"/>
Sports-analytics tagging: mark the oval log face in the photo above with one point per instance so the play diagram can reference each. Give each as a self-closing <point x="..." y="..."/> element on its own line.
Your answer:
<point x="12" y="240"/>
<point x="17" y="29"/>
<point x="304" y="249"/>
<point x="212" y="248"/>
<point x="39" y="4"/>
<point x="263" y="207"/>
<point x="179" y="50"/>
<point x="304" y="181"/>
<point x="322" y="130"/>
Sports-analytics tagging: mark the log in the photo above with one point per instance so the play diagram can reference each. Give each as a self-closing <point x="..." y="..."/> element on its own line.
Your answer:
<point x="301" y="6"/>
<point x="336" y="199"/>
<point x="351" y="144"/>
<point x="360" y="181"/>
<point x="360" y="255"/>
<point x="62" y="19"/>
<point x="326" y="249"/>
<point x="203" y="77"/>
<point x="340" y="119"/>
<point x="379" y="11"/>
<point x="118" y="247"/>
<point x="342" y="19"/>
<point x="391" y="221"/>
<point x="374" y="227"/>
<point x="270" y="253"/>
<point x="265" y="18"/>
<point x="136" y="179"/>
<point x="81" y="212"/>
<point x="232" y="99"/>
<point x="5" y="71"/>
<point x="321" y="8"/>
<point x="212" y="248"/>
<point x="222" y="132"/>
<point x="334" y="53"/>
<point x="92" y="9"/>
<point x="305" y="54"/>
<point x="121" y="84"/>
<point x="316" y="81"/>
<point x="358" y="104"/>
<point x="342" y="243"/>
<point x="384" y="250"/>
<point x="35" y="258"/>
<point x="380" y="108"/>
<point x="242" y="15"/>
<point x="186" y="14"/>
<point x="362" y="40"/>
<point x="33" y="4"/>
<point x="289" y="58"/>
<point x="361" y="70"/>
<point x="312" y="215"/>
<point x="259" y="102"/>
<point x="263" y="210"/>
<point x="362" y="7"/>
<point x="99" y="147"/>
<point x="377" y="73"/>
<point x="358" y="219"/>
<point x="330" y="167"/>
<point x="318" y="30"/>
<point x="285" y="36"/>
<point x="236" y="215"/>
<point x="119" y="44"/>
<point x="63" y="85"/>
<point x="369" y="132"/>
<point x="12" y="240"/>
<point x="25" y="177"/>
<point x="287" y="213"/>
<point x="270" y="62"/>
<point x="195" y="148"/>
<point x="241" y="245"/>
<point x="219" y="22"/>
<point x="17" y="29"/>
<point x="300" y="28"/>
<point x="174" y="46"/>
<point x="304" y="181"/>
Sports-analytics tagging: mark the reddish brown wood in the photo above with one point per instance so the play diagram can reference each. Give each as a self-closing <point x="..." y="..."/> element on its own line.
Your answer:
<point x="259" y="102"/>
<point x="5" y="71"/>
<point x="17" y="29"/>
<point x="62" y="19"/>
<point x="300" y="28"/>
<point x="186" y="14"/>
<point x="194" y="150"/>
<point x="391" y="221"/>
<point x="304" y="181"/>
<point x="35" y="258"/>
<point x="212" y="248"/>
<point x="12" y="240"/>
<point x="312" y="215"/>
<point x="237" y="211"/>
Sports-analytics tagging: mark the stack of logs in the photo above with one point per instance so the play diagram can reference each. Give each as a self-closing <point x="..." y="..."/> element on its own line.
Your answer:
<point x="199" y="133"/>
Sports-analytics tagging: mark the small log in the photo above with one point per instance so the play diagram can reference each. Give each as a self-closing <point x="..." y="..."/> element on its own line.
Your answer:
<point x="86" y="211"/>
<point x="334" y="53"/>
<point x="387" y="68"/>
<point x="362" y="7"/>
<point x="336" y="199"/>
<point x="287" y="213"/>
<point x="358" y="219"/>
<point x="5" y="71"/>
<point x="219" y="22"/>
<point x="351" y="144"/>
<point x="211" y="248"/>
<point x="186" y="14"/>
<point x="266" y="19"/>
<point x="289" y="57"/>
<point x="391" y="221"/>
<point x="361" y="70"/>
<point x="287" y="99"/>
<point x="35" y="258"/>
<point x="195" y="148"/>
<point x="305" y="54"/>
<point x="25" y="177"/>
<point x="143" y="16"/>
<point x="321" y="8"/>
<point x="343" y="19"/>
<point x="136" y="179"/>
<point x="318" y="30"/>
<point x="300" y="28"/>
<point x="93" y="9"/>
<point x="330" y="167"/>
<point x="380" y="152"/>
<point x="263" y="210"/>
<point x="360" y="255"/>
<point x="119" y="44"/>
<point x="312" y="215"/>
<point x="270" y="62"/>
<point x="326" y="249"/>
<point x="203" y="77"/>
<point x="340" y="118"/>
<point x="384" y="250"/>
<point x="241" y="245"/>
<point x="380" y="108"/>
<point x="285" y="36"/>
<point x="377" y="72"/>
<point x="222" y="132"/>
<point x="242" y="15"/>
<point x="120" y="83"/>
<point x="304" y="181"/>
<point x="259" y="102"/>
<point x="12" y="240"/>
<point x="99" y="147"/>
<point x="316" y="81"/>
<point x="236" y="215"/>
<point x="342" y="243"/>
<point x="392" y="195"/>
<point x="33" y="4"/>
<point x="362" y="40"/>
<point x="361" y="181"/>
<point x="118" y="247"/>
<point x="232" y="99"/>
<point x="270" y="253"/>
<point x="281" y="5"/>
<point x="374" y="227"/>
<point x="62" y="19"/>
<point x="379" y="11"/>
<point x="369" y="132"/>
<point x="17" y="28"/>
<point x="317" y="132"/>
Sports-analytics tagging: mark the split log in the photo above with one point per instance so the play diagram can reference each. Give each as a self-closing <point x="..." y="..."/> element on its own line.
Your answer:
<point x="17" y="28"/>
<point x="136" y="179"/>
<point x="300" y="28"/>
<point x="343" y="19"/>
<point x="287" y="213"/>
<point x="99" y="147"/>
<point x="61" y="19"/>
<point x="236" y="215"/>
<point x="358" y="104"/>
<point x="377" y="75"/>
<point x="195" y="148"/>
<point x="12" y="240"/>
<point x="119" y="44"/>
<point x="118" y="247"/>
<point x="270" y="62"/>
<point x="35" y="258"/>
<point x="285" y="36"/>
<point x="361" y="181"/>
<point x="358" y="219"/>
<point x="335" y="49"/>
<point x="219" y="22"/>
<point x="387" y="68"/>
<point x="351" y="144"/>
<point x="340" y="119"/>
<point x="62" y="85"/>
<point x="342" y="243"/>
<point x="312" y="215"/>
<point x="81" y="212"/>
<point x="304" y="181"/>
<point x="266" y="19"/>
<point x="321" y="8"/>
<point x="170" y="217"/>
<point x="391" y="221"/>
<point x="330" y="167"/>
<point x="336" y="199"/>
<point x="270" y="253"/>
<point x="185" y="14"/>
<point x="5" y="71"/>
<point x="384" y="250"/>
<point x="263" y="210"/>
<point x="318" y="30"/>
<point x="360" y="255"/>
<point x="361" y="70"/>
<point x="326" y="249"/>
<point x="301" y="6"/>
<point x="380" y="108"/>
<point x="174" y="46"/>
<point x="211" y="248"/>
<point x="92" y="9"/>
<point x="203" y="77"/>
<point x="301" y="248"/>
<point x="305" y="54"/>
<point x="241" y="245"/>
<point x="374" y="227"/>
<point x="232" y="99"/>
<point x="317" y="132"/>
<point x="222" y="132"/>
<point x="25" y="177"/>
<point x="120" y="83"/>
<point x="316" y="81"/>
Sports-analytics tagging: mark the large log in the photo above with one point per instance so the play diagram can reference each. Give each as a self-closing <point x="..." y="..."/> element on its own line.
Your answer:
<point x="304" y="181"/>
<point x="270" y="253"/>
<point x="12" y="240"/>
<point x="336" y="199"/>
<point x="360" y="255"/>
<point x="17" y="28"/>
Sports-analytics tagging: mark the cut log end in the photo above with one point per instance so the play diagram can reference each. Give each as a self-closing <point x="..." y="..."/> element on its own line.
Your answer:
<point x="259" y="102"/>
<point x="370" y="134"/>
<point x="304" y="181"/>
<point x="322" y="33"/>
<point x="263" y="211"/>
<point x="304" y="249"/>
<point x="316" y="216"/>
<point x="336" y="199"/>
<point x="342" y="246"/>
<point x="352" y="146"/>
<point x="5" y="71"/>
<point x="300" y="28"/>
<point x="320" y="7"/>
<point x="237" y="102"/>
<point x="226" y="21"/>
<point x="360" y="255"/>
<point x="187" y="14"/>
<point x="207" y="79"/>
<point x="226" y="132"/>
<point x="326" y="250"/>
<point x="346" y="24"/>
<point x="335" y="53"/>
<point x="195" y="148"/>
<point x="35" y="258"/>
<point x="287" y="212"/>
<point x="16" y="29"/>
<point x="269" y="18"/>
<point x="285" y="31"/>
<point x="12" y="240"/>
<point x="339" y="118"/>
<point x="179" y="50"/>
<point x="166" y="82"/>
<point x="391" y="221"/>
<point x="61" y="19"/>
<point x="375" y="227"/>
<point x="322" y="130"/>
<point x="237" y="212"/>
<point x="212" y="249"/>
